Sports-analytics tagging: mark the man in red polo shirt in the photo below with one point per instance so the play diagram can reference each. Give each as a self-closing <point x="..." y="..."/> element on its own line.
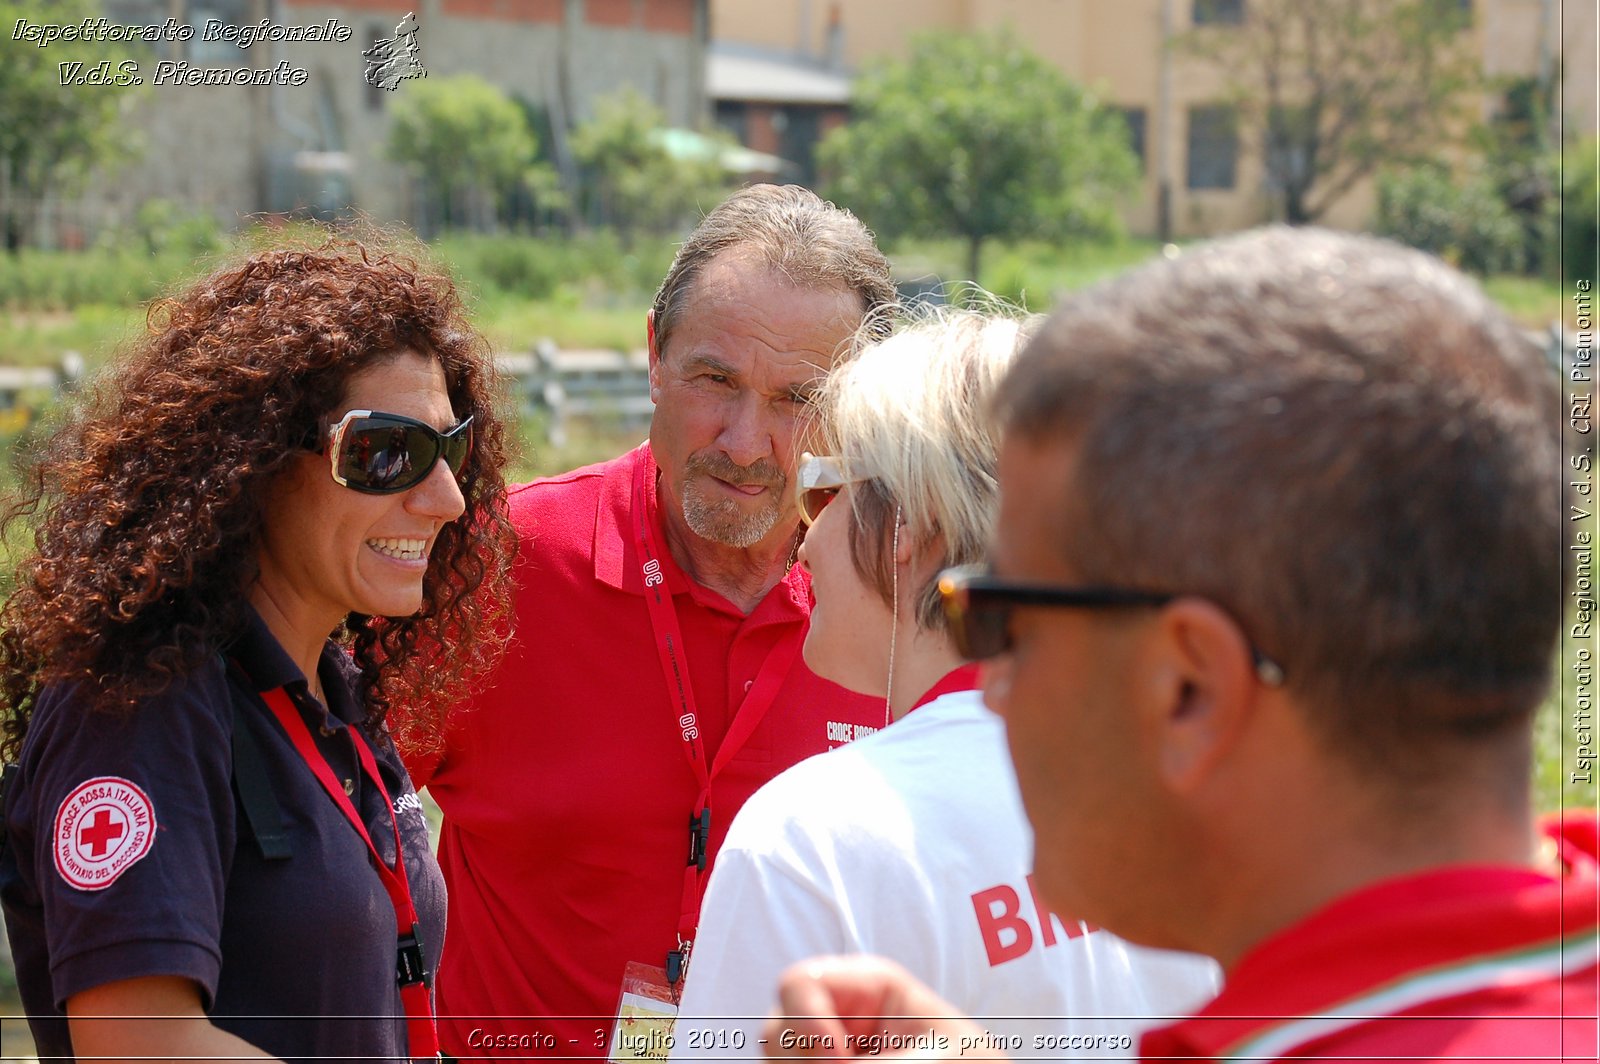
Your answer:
<point x="654" y="680"/>
<point x="1275" y="591"/>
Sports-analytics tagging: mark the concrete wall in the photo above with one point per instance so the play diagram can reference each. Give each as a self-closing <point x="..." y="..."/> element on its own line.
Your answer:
<point x="230" y="149"/>
<point x="1577" y="33"/>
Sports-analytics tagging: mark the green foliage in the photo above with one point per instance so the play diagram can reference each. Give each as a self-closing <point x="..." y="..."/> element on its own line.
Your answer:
<point x="1558" y="782"/>
<point x="1533" y="302"/>
<point x="470" y="143"/>
<point x="977" y="137"/>
<point x="90" y="301"/>
<point x="63" y="280"/>
<point x="40" y="338"/>
<point x="163" y="226"/>
<point x="568" y="319"/>
<point x="1333" y="91"/>
<point x="588" y="292"/>
<point x="536" y="269"/>
<point x="52" y="134"/>
<point x="639" y="184"/>
<point x="523" y="268"/>
<point x="1514" y="146"/>
<point x="1580" y="199"/>
<point x="1463" y="221"/>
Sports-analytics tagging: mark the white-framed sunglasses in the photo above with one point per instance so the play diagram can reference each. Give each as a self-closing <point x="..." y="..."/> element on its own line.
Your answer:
<point x="380" y="454"/>
<point x="817" y="481"/>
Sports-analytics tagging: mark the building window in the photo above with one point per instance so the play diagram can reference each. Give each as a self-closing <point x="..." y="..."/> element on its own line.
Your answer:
<point x="1213" y="147"/>
<point x="1218" y="12"/>
<point x="797" y="142"/>
<point x="733" y="117"/>
<point x="1134" y="116"/>
<point x="217" y="53"/>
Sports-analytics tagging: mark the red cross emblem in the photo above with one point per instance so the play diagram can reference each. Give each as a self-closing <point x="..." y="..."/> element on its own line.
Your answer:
<point x="97" y="836"/>
<point x="103" y="827"/>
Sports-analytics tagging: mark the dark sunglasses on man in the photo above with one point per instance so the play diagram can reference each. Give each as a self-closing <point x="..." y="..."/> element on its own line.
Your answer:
<point x="979" y="605"/>
<point x="381" y="454"/>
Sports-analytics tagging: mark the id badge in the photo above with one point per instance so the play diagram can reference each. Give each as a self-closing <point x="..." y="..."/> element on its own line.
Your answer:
<point x="646" y="1013"/>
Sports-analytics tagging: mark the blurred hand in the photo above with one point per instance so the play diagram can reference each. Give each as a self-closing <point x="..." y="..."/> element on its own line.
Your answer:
<point x="846" y="1007"/>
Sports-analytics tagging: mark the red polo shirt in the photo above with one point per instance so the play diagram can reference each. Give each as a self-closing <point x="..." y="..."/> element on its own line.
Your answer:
<point x="1458" y="964"/>
<point x="565" y="788"/>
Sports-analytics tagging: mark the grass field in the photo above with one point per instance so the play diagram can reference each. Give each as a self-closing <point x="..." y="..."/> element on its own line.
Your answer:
<point x="576" y="295"/>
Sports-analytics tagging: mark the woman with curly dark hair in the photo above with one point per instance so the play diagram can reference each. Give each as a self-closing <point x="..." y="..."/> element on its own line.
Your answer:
<point x="212" y="846"/>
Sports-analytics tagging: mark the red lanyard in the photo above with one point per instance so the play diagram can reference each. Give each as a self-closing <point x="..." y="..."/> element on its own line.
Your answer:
<point x="411" y="974"/>
<point x="758" y="699"/>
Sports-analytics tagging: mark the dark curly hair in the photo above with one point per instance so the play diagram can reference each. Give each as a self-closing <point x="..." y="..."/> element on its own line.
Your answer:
<point x="147" y="503"/>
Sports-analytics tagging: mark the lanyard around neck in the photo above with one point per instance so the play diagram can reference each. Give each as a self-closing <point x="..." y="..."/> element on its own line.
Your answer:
<point x="411" y="973"/>
<point x="758" y="699"/>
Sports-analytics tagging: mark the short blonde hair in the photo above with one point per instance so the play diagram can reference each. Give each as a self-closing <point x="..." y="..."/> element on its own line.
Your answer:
<point x="911" y="416"/>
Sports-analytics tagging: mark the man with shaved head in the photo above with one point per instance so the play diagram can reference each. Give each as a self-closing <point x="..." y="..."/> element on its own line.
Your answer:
<point x="1273" y="601"/>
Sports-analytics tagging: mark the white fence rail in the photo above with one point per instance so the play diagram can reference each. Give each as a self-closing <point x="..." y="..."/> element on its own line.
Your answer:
<point x="600" y="386"/>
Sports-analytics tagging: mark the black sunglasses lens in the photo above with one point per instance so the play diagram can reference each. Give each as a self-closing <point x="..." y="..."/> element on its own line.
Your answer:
<point x="383" y="457"/>
<point x="386" y="454"/>
<point x="458" y="446"/>
<point x="985" y="628"/>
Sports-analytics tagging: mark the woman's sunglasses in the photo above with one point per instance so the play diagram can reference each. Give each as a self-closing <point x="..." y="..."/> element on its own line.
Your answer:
<point x="381" y="454"/>
<point x="817" y="481"/>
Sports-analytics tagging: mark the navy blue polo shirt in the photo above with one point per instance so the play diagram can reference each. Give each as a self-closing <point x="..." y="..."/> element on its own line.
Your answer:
<point x="129" y="856"/>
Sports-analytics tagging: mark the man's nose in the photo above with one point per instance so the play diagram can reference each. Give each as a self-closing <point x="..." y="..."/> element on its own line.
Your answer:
<point x="747" y="435"/>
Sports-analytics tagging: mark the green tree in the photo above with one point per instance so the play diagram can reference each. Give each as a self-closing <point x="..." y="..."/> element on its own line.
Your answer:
<point x="1332" y="91"/>
<point x="468" y="141"/>
<point x="1517" y="150"/>
<point x="1459" y="215"/>
<point x="52" y="135"/>
<point x="1580" y="193"/>
<point x="977" y="137"/>
<point x="639" y="181"/>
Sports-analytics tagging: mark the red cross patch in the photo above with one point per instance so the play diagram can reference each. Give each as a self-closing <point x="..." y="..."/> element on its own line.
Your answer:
<point x="102" y="828"/>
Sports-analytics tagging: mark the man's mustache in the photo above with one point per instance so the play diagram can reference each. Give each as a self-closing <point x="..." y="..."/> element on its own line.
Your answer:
<point x="764" y="472"/>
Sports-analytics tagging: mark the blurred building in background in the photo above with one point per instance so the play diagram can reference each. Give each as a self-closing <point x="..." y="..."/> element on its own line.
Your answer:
<point x="779" y="102"/>
<point x="776" y="74"/>
<point x="318" y="147"/>
<point x="1198" y="170"/>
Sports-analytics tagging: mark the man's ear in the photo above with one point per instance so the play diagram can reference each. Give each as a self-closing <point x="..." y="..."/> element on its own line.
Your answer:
<point x="655" y="354"/>
<point x="1201" y="690"/>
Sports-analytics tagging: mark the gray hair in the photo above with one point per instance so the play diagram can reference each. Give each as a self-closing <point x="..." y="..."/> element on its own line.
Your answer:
<point x="911" y="414"/>
<point x="801" y="236"/>
<point x="1345" y="444"/>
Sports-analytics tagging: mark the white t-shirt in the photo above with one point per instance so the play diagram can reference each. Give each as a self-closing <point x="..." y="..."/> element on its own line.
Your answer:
<point x="912" y="844"/>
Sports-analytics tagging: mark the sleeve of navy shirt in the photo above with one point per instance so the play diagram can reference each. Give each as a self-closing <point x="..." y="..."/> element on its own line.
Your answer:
<point x="160" y="913"/>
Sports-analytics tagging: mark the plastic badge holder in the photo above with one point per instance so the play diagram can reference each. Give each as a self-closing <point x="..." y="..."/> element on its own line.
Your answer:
<point x="646" y="1013"/>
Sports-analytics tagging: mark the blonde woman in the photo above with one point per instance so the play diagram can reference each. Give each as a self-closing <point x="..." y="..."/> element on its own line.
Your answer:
<point x="911" y="843"/>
